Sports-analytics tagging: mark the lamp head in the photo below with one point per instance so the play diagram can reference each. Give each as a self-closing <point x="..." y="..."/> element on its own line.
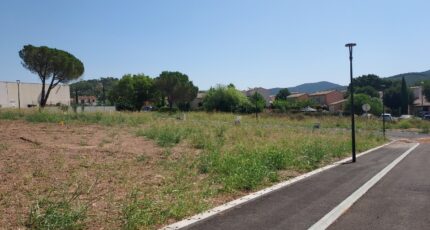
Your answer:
<point x="18" y="81"/>
<point x="350" y="45"/>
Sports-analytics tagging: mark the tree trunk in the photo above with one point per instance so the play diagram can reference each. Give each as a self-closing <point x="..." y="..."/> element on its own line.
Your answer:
<point x="42" y="102"/>
<point x="45" y="98"/>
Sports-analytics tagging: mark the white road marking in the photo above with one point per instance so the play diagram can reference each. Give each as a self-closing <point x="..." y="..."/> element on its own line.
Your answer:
<point x="334" y="214"/>
<point x="199" y="217"/>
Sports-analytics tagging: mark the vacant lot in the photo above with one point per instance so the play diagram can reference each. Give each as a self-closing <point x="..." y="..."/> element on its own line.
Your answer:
<point x="145" y="170"/>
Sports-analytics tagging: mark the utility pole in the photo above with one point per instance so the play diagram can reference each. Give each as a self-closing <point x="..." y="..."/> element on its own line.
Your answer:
<point x="18" y="82"/>
<point x="350" y="46"/>
<point x="422" y="96"/>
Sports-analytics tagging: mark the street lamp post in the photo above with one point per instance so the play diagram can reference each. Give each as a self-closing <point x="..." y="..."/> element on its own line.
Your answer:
<point x="422" y="95"/>
<point x="18" y="82"/>
<point x="350" y="46"/>
<point x="383" y="110"/>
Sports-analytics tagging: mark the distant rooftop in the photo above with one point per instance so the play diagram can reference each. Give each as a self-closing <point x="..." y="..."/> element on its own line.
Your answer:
<point x="321" y="93"/>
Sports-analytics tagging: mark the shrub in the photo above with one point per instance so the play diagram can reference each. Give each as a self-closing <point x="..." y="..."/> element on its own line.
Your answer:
<point x="165" y="136"/>
<point x="226" y="99"/>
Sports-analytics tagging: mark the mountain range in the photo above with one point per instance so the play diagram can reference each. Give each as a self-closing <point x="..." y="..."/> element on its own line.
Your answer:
<point x="411" y="79"/>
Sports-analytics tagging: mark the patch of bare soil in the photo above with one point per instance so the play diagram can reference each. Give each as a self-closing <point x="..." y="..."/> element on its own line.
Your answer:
<point x="40" y="159"/>
<point x="424" y="140"/>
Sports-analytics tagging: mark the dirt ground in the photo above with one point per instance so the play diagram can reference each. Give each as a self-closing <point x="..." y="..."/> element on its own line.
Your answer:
<point x="41" y="159"/>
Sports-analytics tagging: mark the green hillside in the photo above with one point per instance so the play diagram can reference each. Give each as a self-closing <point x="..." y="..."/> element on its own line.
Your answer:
<point x="412" y="78"/>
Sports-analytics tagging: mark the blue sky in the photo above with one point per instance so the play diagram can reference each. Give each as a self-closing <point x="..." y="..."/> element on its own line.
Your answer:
<point x="248" y="43"/>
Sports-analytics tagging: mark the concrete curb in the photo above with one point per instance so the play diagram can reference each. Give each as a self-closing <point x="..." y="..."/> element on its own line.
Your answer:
<point x="207" y="214"/>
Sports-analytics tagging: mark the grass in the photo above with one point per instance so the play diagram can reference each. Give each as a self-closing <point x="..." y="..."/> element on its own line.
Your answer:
<point x="64" y="212"/>
<point x="204" y="160"/>
<point x="164" y="135"/>
<point x="50" y="214"/>
<point x="140" y="212"/>
<point x="74" y="118"/>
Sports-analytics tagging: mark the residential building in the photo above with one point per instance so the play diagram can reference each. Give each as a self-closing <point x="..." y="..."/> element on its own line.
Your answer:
<point x="421" y="103"/>
<point x="30" y="93"/>
<point x="325" y="98"/>
<point x="337" y="106"/>
<point x="87" y="100"/>
<point x="299" y="96"/>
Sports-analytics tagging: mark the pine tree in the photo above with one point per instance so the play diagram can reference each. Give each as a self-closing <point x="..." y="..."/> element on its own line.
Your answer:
<point x="404" y="99"/>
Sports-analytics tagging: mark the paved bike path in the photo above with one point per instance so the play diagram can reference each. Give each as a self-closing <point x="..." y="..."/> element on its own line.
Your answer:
<point x="303" y="203"/>
<point x="401" y="200"/>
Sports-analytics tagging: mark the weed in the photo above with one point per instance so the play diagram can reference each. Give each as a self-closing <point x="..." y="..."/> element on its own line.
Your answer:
<point x="57" y="213"/>
<point x="141" y="158"/>
<point x="3" y="146"/>
<point x="425" y="129"/>
<point x="165" y="136"/>
<point x="83" y="142"/>
<point x="140" y="212"/>
<point x="38" y="172"/>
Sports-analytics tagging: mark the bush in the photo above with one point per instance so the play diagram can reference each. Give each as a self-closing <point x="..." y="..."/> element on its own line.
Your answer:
<point x="291" y="105"/>
<point x="226" y="99"/>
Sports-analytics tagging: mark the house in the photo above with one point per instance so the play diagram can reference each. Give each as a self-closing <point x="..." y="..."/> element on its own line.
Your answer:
<point x="87" y="100"/>
<point x="421" y="103"/>
<point x="337" y="106"/>
<point x="29" y="95"/>
<point x="325" y="98"/>
<point x="299" y="96"/>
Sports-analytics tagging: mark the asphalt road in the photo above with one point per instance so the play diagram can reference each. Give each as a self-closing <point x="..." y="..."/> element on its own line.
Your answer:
<point x="401" y="199"/>
<point x="302" y="204"/>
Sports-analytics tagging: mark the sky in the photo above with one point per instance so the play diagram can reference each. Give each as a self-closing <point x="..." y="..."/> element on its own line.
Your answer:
<point x="252" y="43"/>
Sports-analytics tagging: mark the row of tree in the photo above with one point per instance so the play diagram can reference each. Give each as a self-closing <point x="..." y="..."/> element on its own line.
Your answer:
<point x="55" y="67"/>
<point x="397" y="96"/>
<point x="132" y="91"/>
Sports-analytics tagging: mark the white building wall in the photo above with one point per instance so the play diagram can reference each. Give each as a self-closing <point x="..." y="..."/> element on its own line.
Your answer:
<point x="30" y="94"/>
<point x="3" y="94"/>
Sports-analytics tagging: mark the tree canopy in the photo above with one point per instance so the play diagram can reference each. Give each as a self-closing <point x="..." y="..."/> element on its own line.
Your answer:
<point x="176" y="87"/>
<point x="393" y="97"/>
<point x="371" y="80"/>
<point x="131" y="92"/>
<point x="361" y="99"/>
<point x="258" y="102"/>
<point x="226" y="99"/>
<point x="404" y="99"/>
<point x="51" y="65"/>
<point x="282" y="94"/>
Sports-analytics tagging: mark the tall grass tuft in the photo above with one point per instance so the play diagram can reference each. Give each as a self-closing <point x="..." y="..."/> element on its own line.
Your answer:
<point x="48" y="213"/>
<point x="165" y="136"/>
<point x="140" y="212"/>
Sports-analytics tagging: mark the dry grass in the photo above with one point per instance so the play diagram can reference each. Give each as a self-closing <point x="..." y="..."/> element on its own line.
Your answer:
<point x="145" y="170"/>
